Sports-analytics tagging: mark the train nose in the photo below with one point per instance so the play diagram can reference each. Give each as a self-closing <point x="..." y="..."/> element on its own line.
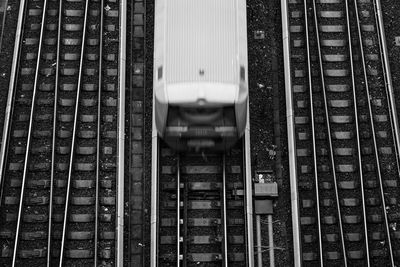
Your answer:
<point x="198" y="116"/>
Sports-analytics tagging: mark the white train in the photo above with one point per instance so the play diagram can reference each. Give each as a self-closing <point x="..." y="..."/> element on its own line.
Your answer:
<point x="200" y="72"/>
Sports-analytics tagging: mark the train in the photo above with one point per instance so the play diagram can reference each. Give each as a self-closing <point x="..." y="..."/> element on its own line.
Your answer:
<point x="200" y="73"/>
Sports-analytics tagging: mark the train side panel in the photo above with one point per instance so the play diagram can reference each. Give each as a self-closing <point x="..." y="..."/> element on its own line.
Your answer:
<point x="159" y="91"/>
<point x="241" y="101"/>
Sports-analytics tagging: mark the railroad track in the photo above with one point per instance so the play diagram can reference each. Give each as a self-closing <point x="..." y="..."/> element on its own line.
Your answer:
<point x="201" y="208"/>
<point x="347" y="156"/>
<point x="60" y="168"/>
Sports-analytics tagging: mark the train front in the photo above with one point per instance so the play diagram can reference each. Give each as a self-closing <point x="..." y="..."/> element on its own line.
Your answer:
<point x="200" y="73"/>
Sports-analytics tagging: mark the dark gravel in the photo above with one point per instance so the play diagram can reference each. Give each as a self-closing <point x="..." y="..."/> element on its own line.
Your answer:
<point x="148" y="98"/>
<point x="391" y="13"/>
<point x="269" y="152"/>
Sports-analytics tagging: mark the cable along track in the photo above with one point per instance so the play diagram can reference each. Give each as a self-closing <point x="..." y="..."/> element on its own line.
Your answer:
<point x="344" y="136"/>
<point x="61" y="155"/>
<point x="210" y="220"/>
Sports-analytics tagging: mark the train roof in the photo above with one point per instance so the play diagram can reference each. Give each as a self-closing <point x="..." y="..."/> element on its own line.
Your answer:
<point x="201" y="40"/>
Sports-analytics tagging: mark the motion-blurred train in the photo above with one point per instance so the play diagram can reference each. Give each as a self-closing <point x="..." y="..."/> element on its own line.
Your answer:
<point x="200" y="73"/>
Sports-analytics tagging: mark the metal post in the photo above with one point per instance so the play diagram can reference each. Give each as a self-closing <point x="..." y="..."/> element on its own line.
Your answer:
<point x="271" y="241"/>
<point x="259" y="246"/>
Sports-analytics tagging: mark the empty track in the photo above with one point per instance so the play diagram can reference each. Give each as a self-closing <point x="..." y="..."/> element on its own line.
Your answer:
<point x="60" y="170"/>
<point x="346" y="147"/>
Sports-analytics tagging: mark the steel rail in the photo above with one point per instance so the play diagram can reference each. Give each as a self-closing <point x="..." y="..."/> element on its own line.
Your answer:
<point x="53" y="151"/>
<point x="71" y="159"/>
<point x="224" y="211"/>
<point x="96" y="220"/>
<point x="121" y="133"/>
<point x="11" y="92"/>
<point x="185" y="228"/>
<point x="388" y="83"/>
<point x="377" y="161"/>
<point x="291" y="136"/>
<point x="249" y="193"/>
<point x="154" y="221"/>
<point x="178" y="212"/>
<point x="388" y="79"/>
<point x="359" y="156"/>
<point x="131" y="99"/>
<point x="28" y="145"/>
<point x="332" y="159"/>
<point x="314" y="143"/>
<point x="3" y="23"/>
<point x="394" y="132"/>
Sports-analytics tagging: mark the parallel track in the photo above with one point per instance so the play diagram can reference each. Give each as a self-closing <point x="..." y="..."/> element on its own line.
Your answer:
<point x="346" y="150"/>
<point x="59" y="184"/>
